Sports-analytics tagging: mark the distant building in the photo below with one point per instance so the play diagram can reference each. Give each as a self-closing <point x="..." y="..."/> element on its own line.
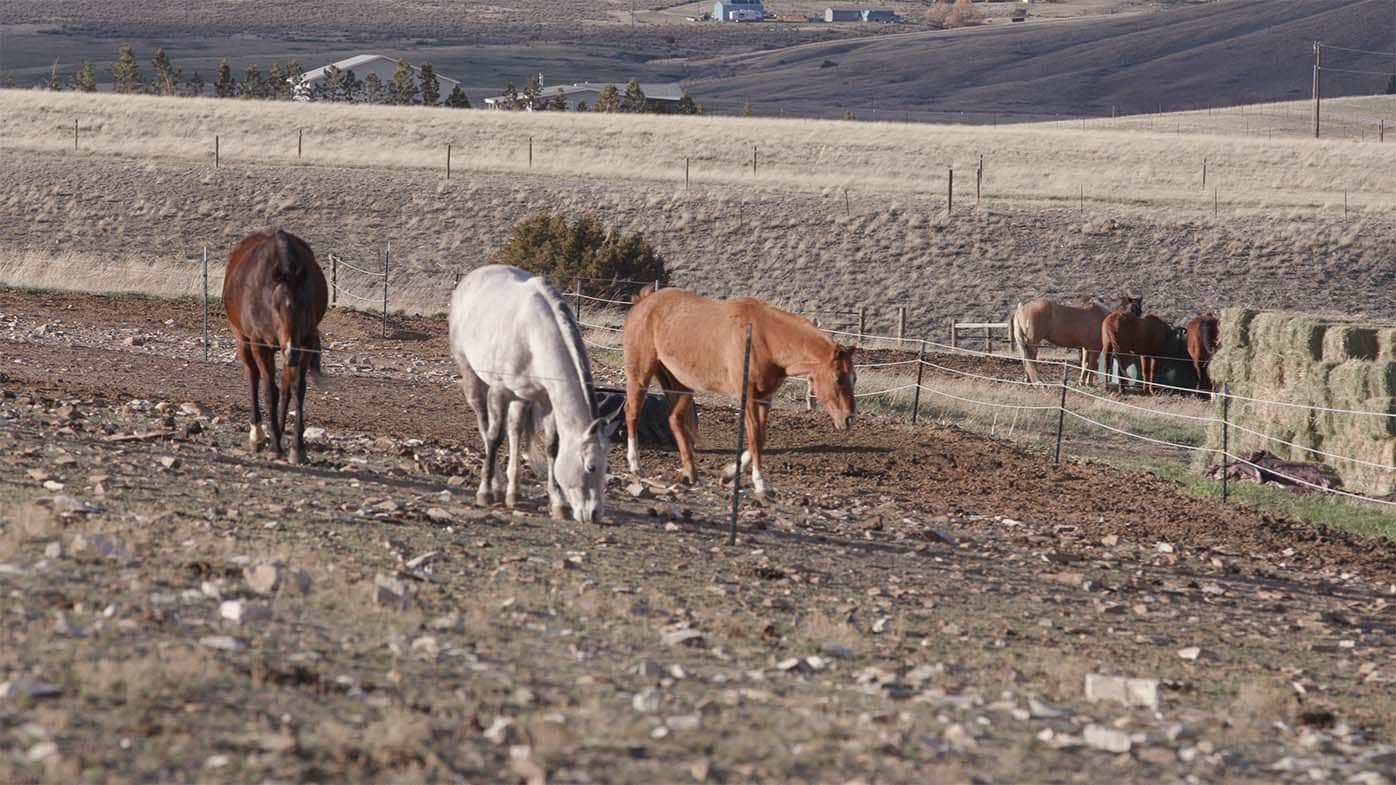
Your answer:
<point x="739" y="11"/>
<point x="879" y="15"/>
<point x="843" y="14"/>
<point x="362" y="66"/>
<point x="587" y="92"/>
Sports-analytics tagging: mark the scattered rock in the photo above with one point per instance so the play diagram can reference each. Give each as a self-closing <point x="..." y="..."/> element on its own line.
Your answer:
<point x="53" y="550"/>
<point x="1195" y="653"/>
<point x="502" y="731"/>
<point x="841" y="650"/>
<point x="29" y="689"/>
<point x="684" y="722"/>
<point x="649" y="669"/>
<point x="221" y="643"/>
<point x="1121" y="689"/>
<point x="637" y="490"/>
<point x="64" y="625"/>
<point x="390" y="592"/>
<point x="240" y="611"/>
<point x="1045" y="711"/>
<point x="439" y="515"/>
<point x="935" y="534"/>
<point x="169" y="462"/>
<point x="94" y="547"/>
<point x="646" y="701"/>
<point x="264" y="577"/>
<point x="41" y="751"/>
<point x="65" y="505"/>
<point x="682" y="636"/>
<point x="1107" y="739"/>
<point x="524" y="767"/>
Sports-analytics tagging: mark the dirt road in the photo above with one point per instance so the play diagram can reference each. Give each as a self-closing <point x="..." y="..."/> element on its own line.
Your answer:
<point x="915" y="605"/>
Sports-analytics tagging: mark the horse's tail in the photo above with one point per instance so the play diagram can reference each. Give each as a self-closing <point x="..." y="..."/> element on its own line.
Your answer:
<point x="1017" y="333"/>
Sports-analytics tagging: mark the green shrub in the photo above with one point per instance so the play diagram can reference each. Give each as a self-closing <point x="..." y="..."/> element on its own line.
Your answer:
<point x="564" y="252"/>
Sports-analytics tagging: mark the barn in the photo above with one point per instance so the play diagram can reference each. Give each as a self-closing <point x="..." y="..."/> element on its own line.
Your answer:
<point x="363" y="65"/>
<point x="884" y="15"/>
<point x="739" y="10"/>
<point x="843" y="14"/>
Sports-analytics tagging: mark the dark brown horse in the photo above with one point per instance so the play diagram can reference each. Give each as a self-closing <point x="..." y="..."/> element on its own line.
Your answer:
<point x="1142" y="337"/>
<point x="1203" y="341"/>
<point x="275" y="296"/>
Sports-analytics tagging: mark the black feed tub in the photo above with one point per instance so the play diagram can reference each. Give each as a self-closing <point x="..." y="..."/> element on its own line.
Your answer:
<point x="654" y="416"/>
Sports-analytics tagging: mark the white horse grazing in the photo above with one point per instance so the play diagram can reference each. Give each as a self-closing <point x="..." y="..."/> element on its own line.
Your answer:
<point x="525" y="371"/>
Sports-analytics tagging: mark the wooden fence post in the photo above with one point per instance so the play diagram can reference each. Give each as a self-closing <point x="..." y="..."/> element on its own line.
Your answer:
<point x="530" y="152"/>
<point x="385" y="291"/>
<point x="1061" y="418"/>
<point x="300" y="142"/>
<point x="205" y="303"/>
<point x="685" y="173"/>
<point x="216" y="152"/>
<point x="334" y="279"/>
<point x="753" y="160"/>
<point x="920" y="370"/>
<point x="448" y="160"/>
<point x="950" y="191"/>
<point x="954" y="336"/>
<point x="75" y="136"/>
<point x="862" y="320"/>
<point x="1226" y="434"/>
<point x="988" y="340"/>
<point x="901" y="321"/>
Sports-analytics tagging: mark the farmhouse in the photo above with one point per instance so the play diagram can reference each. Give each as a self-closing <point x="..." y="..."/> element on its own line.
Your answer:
<point x="362" y="66"/>
<point x="739" y="11"/>
<point x="665" y="94"/>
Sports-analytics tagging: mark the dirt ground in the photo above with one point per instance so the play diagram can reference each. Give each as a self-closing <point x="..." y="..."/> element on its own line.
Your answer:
<point x="916" y="604"/>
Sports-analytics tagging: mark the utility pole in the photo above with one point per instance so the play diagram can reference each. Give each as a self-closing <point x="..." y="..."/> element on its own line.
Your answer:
<point x="1317" y="97"/>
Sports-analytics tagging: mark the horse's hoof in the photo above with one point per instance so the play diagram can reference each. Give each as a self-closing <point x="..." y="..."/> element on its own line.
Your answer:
<point x="482" y="500"/>
<point x="511" y="500"/>
<point x="557" y="512"/>
<point x="297" y="456"/>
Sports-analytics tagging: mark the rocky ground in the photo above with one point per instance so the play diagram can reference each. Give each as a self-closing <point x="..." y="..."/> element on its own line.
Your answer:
<point x="917" y="604"/>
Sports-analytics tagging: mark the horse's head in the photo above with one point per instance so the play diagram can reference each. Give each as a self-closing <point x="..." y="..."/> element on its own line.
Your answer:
<point x="1132" y="305"/>
<point x="1211" y="335"/>
<point x="833" y="382"/>
<point x="580" y="469"/>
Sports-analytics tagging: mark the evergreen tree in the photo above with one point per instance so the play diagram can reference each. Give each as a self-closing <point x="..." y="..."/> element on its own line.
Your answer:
<point x="194" y="88"/>
<point x="350" y="88"/>
<point x="373" y="90"/>
<point x="687" y="105"/>
<point x="431" y="88"/>
<point x="558" y="103"/>
<point x="126" y="73"/>
<point x="634" y="98"/>
<point x="457" y="99"/>
<point x="277" y="86"/>
<point x="533" y="89"/>
<point x="55" y="82"/>
<point x="225" y="86"/>
<point x="746" y="109"/>
<point x="608" y="100"/>
<point x="327" y="89"/>
<point x="1391" y="85"/>
<point x="511" y="98"/>
<point x="295" y="79"/>
<point x="582" y="106"/>
<point x="253" y="84"/>
<point x="86" y="81"/>
<point x="402" y="87"/>
<point x="166" y="75"/>
<point x="9" y="81"/>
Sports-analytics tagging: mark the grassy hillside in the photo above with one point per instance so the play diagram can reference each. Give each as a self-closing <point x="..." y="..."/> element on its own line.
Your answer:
<point x="131" y="209"/>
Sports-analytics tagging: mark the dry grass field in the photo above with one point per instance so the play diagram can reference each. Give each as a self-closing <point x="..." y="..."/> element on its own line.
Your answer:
<point x="838" y="215"/>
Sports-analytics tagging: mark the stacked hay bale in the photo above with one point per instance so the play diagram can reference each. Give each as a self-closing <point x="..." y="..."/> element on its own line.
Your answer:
<point x="1318" y="361"/>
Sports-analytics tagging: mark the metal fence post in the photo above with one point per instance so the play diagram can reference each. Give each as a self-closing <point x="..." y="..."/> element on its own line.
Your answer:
<point x="950" y="191"/>
<point x="685" y="173"/>
<point x="862" y="321"/>
<point x="530" y="152"/>
<point x="75" y="136"/>
<point x="1061" y="418"/>
<point x="205" y="303"/>
<point x="448" y="160"/>
<point x="920" y="370"/>
<point x="577" y="297"/>
<point x="300" y="142"/>
<point x="1226" y="437"/>
<point x="741" y="437"/>
<point x="334" y="279"/>
<point x="901" y="322"/>
<point x="216" y="151"/>
<point x="385" y="291"/>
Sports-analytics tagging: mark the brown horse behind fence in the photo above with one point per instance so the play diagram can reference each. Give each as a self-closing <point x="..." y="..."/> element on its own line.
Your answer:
<point x="1126" y="334"/>
<point x="692" y="343"/>
<point x="275" y="296"/>
<point x="1203" y="340"/>
<point x="1067" y="326"/>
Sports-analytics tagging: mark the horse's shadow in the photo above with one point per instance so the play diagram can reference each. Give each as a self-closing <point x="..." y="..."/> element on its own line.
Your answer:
<point x="809" y="449"/>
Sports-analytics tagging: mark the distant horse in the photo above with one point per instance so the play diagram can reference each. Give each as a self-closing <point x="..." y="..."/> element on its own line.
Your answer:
<point x="693" y="344"/>
<point x="1126" y="333"/>
<point x="1203" y="340"/>
<point x="525" y="370"/>
<point x="1067" y="326"/>
<point x="275" y="296"/>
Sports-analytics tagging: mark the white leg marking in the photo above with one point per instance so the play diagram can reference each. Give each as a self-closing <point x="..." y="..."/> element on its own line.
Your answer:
<point x="632" y="453"/>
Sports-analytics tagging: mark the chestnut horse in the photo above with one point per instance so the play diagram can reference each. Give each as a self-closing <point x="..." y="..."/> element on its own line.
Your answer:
<point x="692" y="343"/>
<point x="1144" y="337"/>
<point x="1203" y="340"/>
<point x="275" y="296"/>
<point x="1067" y="326"/>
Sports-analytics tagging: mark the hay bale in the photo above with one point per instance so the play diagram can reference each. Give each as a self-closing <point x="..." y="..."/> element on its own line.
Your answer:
<point x="1303" y="337"/>
<point x="1234" y="326"/>
<point x="1344" y="342"/>
<point x="1386" y="344"/>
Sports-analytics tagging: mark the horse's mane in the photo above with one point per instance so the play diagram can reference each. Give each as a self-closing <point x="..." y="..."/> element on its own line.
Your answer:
<point x="572" y="336"/>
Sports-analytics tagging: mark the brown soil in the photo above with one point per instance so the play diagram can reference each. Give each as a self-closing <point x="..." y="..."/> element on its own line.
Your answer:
<point x="1053" y="573"/>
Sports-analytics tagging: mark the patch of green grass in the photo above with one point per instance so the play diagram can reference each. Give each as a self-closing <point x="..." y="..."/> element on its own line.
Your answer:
<point x="131" y="295"/>
<point x="33" y="289"/>
<point x="1336" y="511"/>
